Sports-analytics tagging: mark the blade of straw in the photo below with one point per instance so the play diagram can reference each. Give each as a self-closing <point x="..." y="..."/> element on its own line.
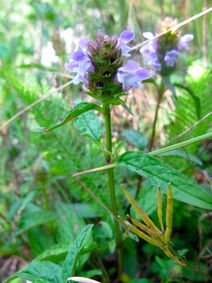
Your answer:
<point x="27" y="108"/>
<point x="140" y="212"/>
<point x="169" y="214"/>
<point x="160" y="209"/>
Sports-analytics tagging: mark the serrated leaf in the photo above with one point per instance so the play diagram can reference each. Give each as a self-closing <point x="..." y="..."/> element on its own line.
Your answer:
<point x="72" y="114"/>
<point x="160" y="173"/>
<point x="185" y="155"/>
<point x="135" y="138"/>
<point x="69" y="264"/>
<point x="89" y="124"/>
<point x="33" y="219"/>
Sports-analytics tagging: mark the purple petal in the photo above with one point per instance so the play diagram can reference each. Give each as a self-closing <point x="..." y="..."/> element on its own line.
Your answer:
<point x="124" y="49"/>
<point x="83" y="43"/>
<point x="130" y="67"/>
<point x="70" y="66"/>
<point x="79" y="55"/>
<point x="171" y="58"/>
<point x="142" y="74"/>
<point x="184" y="41"/>
<point x="131" y="74"/>
<point x="127" y="35"/>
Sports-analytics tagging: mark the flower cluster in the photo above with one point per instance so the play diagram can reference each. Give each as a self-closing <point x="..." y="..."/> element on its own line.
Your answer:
<point x="162" y="53"/>
<point x="101" y="67"/>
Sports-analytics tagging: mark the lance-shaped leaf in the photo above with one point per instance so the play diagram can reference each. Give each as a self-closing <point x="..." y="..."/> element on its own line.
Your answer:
<point x="69" y="265"/>
<point x="72" y="114"/>
<point x="160" y="173"/>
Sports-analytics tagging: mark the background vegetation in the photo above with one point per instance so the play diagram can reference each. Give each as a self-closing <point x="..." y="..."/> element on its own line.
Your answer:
<point x="42" y="208"/>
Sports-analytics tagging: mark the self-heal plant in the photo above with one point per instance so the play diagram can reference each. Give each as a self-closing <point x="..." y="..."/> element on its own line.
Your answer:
<point x="162" y="53"/>
<point x="102" y="66"/>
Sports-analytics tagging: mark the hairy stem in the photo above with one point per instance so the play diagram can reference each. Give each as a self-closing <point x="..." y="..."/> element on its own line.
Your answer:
<point x="111" y="183"/>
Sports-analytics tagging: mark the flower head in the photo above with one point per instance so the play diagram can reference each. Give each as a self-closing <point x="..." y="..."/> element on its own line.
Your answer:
<point x="99" y="64"/>
<point x="162" y="53"/>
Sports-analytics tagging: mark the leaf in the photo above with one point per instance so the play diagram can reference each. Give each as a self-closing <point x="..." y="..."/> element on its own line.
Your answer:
<point x="193" y="96"/>
<point x="124" y="105"/>
<point x="69" y="264"/>
<point x="72" y="114"/>
<point x="48" y="271"/>
<point x="33" y="219"/>
<point x="160" y="173"/>
<point x="69" y="223"/>
<point x="54" y="254"/>
<point x="89" y="124"/>
<point x="135" y="138"/>
<point x="85" y="210"/>
<point x="185" y="155"/>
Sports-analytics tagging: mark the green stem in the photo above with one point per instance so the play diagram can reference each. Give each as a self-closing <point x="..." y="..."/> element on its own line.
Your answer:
<point x="111" y="183"/>
<point x="45" y="197"/>
<point x="181" y="144"/>
<point x="160" y="95"/>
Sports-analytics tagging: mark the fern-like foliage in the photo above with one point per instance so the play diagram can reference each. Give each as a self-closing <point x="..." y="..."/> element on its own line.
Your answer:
<point x="193" y="103"/>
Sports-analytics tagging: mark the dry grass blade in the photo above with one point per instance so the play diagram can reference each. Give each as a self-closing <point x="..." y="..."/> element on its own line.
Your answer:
<point x="169" y="214"/>
<point x="146" y="229"/>
<point x="102" y="168"/>
<point x="185" y="22"/>
<point x="94" y="196"/>
<point x="160" y="209"/>
<point x="141" y="234"/>
<point x="27" y="108"/>
<point x="196" y="124"/>
<point x="140" y="212"/>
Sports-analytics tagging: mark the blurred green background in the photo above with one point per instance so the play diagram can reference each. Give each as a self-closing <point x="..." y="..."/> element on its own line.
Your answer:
<point x="35" y="40"/>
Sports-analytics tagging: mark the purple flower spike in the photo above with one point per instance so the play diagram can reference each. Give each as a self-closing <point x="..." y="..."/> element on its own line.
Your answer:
<point x="131" y="74"/>
<point x="162" y="53"/>
<point x="171" y="58"/>
<point x="184" y="41"/>
<point x="125" y="37"/>
<point x="99" y="65"/>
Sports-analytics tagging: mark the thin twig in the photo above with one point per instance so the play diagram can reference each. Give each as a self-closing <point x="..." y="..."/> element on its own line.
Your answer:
<point x="174" y="28"/>
<point x="27" y="108"/>
<point x="196" y="124"/>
